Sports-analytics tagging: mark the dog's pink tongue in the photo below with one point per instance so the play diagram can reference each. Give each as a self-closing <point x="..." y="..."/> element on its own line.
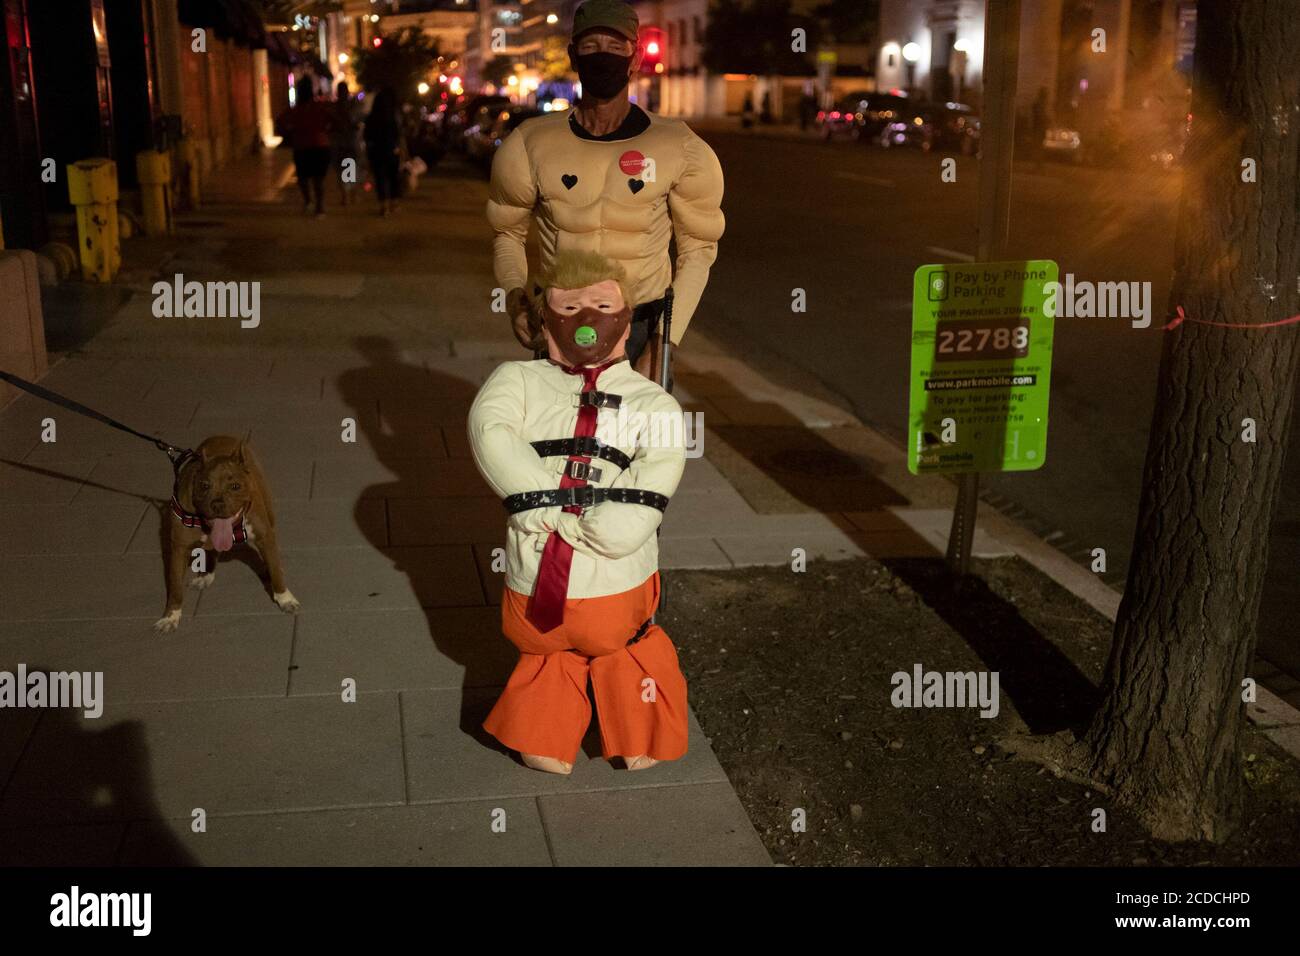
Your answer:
<point x="223" y="533"/>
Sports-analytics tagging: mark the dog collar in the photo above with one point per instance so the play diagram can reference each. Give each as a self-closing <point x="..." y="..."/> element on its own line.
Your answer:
<point x="197" y="521"/>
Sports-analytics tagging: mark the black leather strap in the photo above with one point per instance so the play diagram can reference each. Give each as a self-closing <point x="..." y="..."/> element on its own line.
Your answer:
<point x="582" y="447"/>
<point x="640" y="632"/>
<point x="648" y="311"/>
<point x="599" y="399"/>
<point x="584" y="497"/>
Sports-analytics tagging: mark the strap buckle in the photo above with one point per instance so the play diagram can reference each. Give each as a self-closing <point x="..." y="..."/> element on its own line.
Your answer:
<point x="598" y="399"/>
<point x="581" y="470"/>
<point x="584" y="497"/>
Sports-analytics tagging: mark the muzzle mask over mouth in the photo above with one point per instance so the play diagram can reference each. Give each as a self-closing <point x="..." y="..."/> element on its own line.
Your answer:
<point x="582" y="302"/>
<point x="588" y="336"/>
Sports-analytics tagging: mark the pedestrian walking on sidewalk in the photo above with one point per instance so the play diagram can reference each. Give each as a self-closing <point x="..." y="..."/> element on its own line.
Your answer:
<point x="345" y="137"/>
<point x="307" y="125"/>
<point x="608" y="177"/>
<point x="807" y="107"/>
<point x="383" y="134"/>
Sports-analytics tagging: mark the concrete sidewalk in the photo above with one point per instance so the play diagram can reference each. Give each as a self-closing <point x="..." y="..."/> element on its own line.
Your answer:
<point x="388" y="542"/>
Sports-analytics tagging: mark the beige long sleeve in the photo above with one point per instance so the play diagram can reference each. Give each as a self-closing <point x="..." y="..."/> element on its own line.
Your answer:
<point x="512" y="194"/>
<point x="504" y="457"/>
<point x="695" y="203"/>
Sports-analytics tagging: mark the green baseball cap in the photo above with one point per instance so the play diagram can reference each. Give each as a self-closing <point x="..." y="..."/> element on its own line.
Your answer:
<point x="607" y="14"/>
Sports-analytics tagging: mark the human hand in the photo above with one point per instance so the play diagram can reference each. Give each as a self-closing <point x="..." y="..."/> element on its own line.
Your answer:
<point x="522" y="323"/>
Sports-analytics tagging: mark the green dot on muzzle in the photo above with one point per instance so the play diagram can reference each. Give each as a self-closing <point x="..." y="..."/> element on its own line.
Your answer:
<point x="585" y="335"/>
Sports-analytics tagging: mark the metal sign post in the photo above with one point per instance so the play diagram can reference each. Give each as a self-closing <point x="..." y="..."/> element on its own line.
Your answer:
<point x="997" y="143"/>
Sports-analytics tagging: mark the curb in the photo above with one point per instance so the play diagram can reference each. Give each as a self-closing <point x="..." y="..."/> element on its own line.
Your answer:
<point x="1279" y="721"/>
<point x="1276" y="718"/>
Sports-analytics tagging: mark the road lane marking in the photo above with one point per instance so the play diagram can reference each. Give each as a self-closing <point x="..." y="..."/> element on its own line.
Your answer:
<point x="871" y="180"/>
<point x="950" y="253"/>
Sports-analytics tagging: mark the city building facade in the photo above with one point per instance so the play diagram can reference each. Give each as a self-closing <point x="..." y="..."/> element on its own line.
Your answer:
<point x="1086" y="60"/>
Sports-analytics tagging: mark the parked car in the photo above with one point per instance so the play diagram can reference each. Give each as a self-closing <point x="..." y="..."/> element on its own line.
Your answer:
<point x="861" y="115"/>
<point x="1062" y="142"/>
<point x="840" y="121"/>
<point x="1133" y="139"/>
<point x="484" y="138"/>
<point x="459" y="118"/>
<point x="946" y="127"/>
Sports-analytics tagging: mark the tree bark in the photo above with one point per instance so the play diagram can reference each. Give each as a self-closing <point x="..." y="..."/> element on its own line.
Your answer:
<point x="1167" y="734"/>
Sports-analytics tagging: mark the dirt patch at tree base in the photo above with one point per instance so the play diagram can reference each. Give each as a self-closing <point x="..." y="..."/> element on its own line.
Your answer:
<point x="790" y="677"/>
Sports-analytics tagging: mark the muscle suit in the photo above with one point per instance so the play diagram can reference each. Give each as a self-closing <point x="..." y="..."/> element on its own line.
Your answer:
<point x="623" y="198"/>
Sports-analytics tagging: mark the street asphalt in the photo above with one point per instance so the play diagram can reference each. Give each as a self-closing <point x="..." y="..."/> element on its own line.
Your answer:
<point x="850" y="224"/>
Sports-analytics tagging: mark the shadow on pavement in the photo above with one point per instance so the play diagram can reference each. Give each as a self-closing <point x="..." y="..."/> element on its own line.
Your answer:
<point x="1047" y="689"/>
<point x="89" y="782"/>
<point x="400" y="443"/>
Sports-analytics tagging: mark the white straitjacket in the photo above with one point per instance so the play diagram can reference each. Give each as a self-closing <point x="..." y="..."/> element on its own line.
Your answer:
<point x="615" y="546"/>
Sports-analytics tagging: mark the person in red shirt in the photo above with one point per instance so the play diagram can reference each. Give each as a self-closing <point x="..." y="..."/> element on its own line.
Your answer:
<point x="308" y="125"/>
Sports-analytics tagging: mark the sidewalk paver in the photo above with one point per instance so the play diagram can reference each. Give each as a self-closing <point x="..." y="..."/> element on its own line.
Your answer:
<point x="376" y="331"/>
<point x="236" y="755"/>
<point x="440" y="834"/>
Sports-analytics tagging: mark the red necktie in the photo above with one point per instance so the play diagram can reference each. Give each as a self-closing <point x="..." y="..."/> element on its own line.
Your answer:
<point x="546" y="610"/>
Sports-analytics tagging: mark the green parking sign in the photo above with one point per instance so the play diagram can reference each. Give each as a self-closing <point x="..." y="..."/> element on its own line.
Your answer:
<point x="981" y="367"/>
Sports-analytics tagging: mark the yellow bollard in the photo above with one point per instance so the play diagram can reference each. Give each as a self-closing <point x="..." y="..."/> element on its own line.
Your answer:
<point x="92" y="188"/>
<point x="190" y="173"/>
<point x="154" y="170"/>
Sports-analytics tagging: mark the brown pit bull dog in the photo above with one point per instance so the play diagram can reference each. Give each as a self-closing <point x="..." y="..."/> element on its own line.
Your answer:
<point x="220" y="500"/>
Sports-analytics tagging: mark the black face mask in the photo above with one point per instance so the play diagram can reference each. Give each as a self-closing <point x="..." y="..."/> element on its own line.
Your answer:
<point x="603" y="75"/>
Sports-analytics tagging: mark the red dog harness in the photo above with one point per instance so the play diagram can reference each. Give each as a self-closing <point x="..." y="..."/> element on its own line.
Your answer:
<point x="196" y="521"/>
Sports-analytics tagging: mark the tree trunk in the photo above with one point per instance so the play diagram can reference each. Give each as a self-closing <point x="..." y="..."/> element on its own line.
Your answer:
<point x="1166" y="736"/>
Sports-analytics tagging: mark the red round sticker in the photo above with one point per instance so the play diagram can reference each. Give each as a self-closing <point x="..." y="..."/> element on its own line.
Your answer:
<point x="631" y="162"/>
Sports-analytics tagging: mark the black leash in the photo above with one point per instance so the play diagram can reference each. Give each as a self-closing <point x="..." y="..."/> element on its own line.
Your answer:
<point x="665" y="382"/>
<point x="666" y="354"/>
<point x="176" y="454"/>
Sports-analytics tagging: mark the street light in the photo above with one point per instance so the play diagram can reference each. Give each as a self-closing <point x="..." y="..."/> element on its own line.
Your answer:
<point x="423" y="88"/>
<point x="552" y="18"/>
<point x="911" y="53"/>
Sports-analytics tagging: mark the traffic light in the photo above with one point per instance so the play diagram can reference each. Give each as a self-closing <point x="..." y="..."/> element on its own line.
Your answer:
<point x="655" y="50"/>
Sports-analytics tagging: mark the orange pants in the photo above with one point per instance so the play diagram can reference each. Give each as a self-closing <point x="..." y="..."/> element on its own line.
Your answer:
<point x="640" y="691"/>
